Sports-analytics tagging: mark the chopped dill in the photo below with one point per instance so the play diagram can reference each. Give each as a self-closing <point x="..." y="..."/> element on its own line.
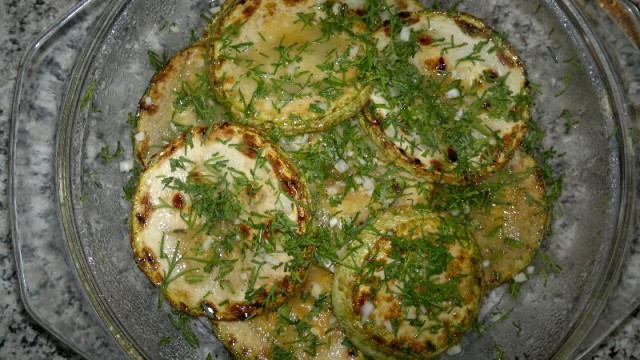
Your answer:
<point x="566" y="81"/>
<point x="165" y="340"/>
<point x="180" y="322"/>
<point x="499" y="351"/>
<point x="131" y="185"/>
<point x="88" y="95"/>
<point x="537" y="9"/>
<point x="570" y="120"/>
<point x="106" y="155"/>
<point x="157" y="61"/>
<point x="514" y="288"/>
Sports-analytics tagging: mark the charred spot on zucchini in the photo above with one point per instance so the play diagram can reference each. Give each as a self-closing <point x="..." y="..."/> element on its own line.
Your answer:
<point x="376" y="12"/>
<point x="222" y="233"/>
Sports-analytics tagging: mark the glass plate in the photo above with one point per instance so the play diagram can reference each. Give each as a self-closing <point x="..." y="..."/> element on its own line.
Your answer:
<point x="49" y="284"/>
<point x="85" y="216"/>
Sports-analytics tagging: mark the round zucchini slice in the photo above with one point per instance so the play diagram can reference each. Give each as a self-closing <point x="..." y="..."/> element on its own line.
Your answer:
<point x="451" y="99"/>
<point x="218" y="223"/>
<point x="411" y="288"/>
<point x="291" y="65"/>
<point x="178" y="98"/>
<point x="511" y="228"/>
<point x="302" y="328"/>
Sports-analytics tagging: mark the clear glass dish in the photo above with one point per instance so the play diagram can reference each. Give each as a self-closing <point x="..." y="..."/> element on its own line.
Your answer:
<point x="84" y="222"/>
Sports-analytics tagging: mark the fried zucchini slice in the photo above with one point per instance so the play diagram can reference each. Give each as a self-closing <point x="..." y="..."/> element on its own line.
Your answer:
<point x="302" y="328"/>
<point x="178" y="97"/>
<point x="511" y="228"/>
<point x="290" y="65"/>
<point x="218" y="222"/>
<point x="451" y="99"/>
<point x="411" y="288"/>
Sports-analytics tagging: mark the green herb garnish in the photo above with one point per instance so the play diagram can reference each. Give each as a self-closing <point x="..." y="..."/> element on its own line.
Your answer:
<point x="88" y="95"/>
<point x="106" y="155"/>
<point x="157" y="61"/>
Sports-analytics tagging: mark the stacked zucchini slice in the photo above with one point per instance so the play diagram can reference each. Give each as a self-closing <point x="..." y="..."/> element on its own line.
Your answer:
<point x="307" y="171"/>
<point x="452" y="101"/>
<point x="411" y="288"/>
<point x="291" y="65"/>
<point x="304" y="327"/>
<point x="178" y="97"/>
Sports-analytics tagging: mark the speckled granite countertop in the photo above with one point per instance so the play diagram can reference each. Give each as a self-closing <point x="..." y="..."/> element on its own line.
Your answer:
<point x="22" y="338"/>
